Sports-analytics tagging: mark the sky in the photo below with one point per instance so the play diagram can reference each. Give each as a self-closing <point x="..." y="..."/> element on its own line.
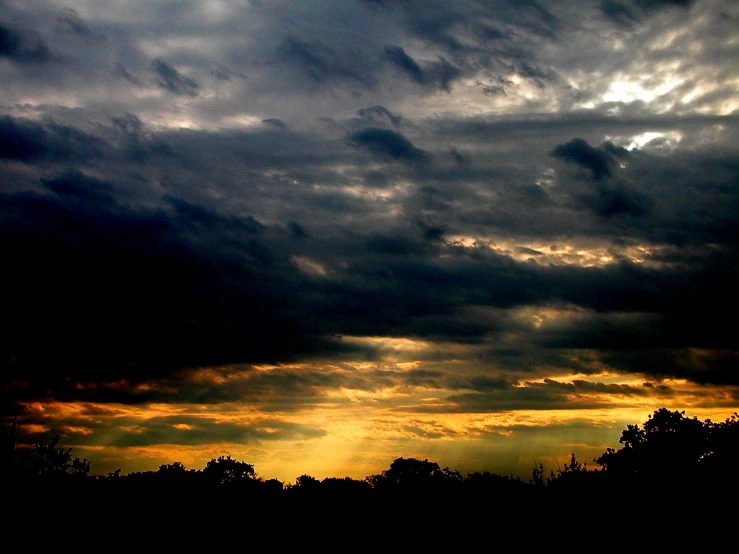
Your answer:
<point x="317" y="236"/>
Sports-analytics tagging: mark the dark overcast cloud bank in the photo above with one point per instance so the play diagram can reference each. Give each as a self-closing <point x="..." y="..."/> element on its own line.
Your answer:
<point x="132" y="250"/>
<point x="103" y="284"/>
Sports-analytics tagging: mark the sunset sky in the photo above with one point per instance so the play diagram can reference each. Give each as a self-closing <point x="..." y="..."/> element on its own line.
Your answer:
<point x="320" y="235"/>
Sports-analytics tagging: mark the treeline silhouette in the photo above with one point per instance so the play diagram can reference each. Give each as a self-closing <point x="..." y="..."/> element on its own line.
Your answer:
<point x="669" y="454"/>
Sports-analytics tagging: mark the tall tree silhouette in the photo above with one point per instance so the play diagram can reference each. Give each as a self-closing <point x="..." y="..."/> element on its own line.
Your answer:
<point x="672" y="451"/>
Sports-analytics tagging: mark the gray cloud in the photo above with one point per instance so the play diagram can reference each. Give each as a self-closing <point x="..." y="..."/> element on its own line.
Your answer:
<point x="71" y="22"/>
<point x="379" y="114"/>
<point x="630" y="10"/>
<point x="274" y="122"/>
<point x="398" y="57"/>
<point x="172" y="80"/>
<point x="28" y="141"/>
<point x="23" y="46"/>
<point x="581" y="153"/>
<point x="21" y="140"/>
<point x="439" y="73"/>
<point x="322" y="64"/>
<point x="511" y="191"/>
<point x="388" y="144"/>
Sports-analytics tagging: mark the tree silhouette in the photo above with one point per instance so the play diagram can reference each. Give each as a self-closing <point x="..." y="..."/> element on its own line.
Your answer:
<point x="47" y="461"/>
<point x="409" y="475"/>
<point x="671" y="452"/>
<point x="176" y="473"/>
<point x="304" y="485"/>
<point x="668" y="444"/>
<point x="336" y="486"/>
<point x="227" y="470"/>
<point x="492" y="485"/>
<point x="723" y="454"/>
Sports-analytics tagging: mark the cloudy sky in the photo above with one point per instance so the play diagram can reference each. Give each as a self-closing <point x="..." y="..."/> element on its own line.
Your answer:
<point x="320" y="235"/>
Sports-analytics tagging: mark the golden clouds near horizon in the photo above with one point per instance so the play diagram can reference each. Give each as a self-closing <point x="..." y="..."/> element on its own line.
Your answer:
<point x="361" y="437"/>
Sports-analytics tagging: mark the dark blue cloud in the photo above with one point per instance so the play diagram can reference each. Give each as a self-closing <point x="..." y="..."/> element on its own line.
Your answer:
<point x="630" y="11"/>
<point x="20" y="140"/>
<point x="297" y="230"/>
<point x="323" y="64"/>
<point x="29" y="141"/>
<point x="379" y="114"/>
<point x="99" y="288"/>
<point x="649" y="4"/>
<point x="388" y="144"/>
<point x="400" y="59"/>
<point x="23" y="46"/>
<point x="71" y="22"/>
<point x="580" y="152"/>
<point x="275" y="123"/>
<point x="172" y="80"/>
<point x="74" y="183"/>
<point x="609" y="201"/>
<point x="439" y="73"/>
<point x="251" y="244"/>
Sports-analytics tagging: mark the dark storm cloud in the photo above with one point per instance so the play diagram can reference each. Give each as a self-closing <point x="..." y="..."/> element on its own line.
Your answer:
<point x="647" y="4"/>
<point x="575" y="122"/>
<point x="611" y="7"/>
<point x="459" y="158"/>
<point x="28" y="141"/>
<point x="135" y="143"/>
<point x="297" y="230"/>
<point x="73" y="183"/>
<point x="379" y="114"/>
<point x="87" y="267"/>
<point x="581" y="153"/>
<point x="404" y="62"/>
<point x="131" y="252"/>
<point x="676" y="191"/>
<point x="70" y="21"/>
<point x="537" y="75"/>
<point x="21" y="140"/>
<point x="606" y="197"/>
<point x="199" y="217"/>
<point x="439" y="73"/>
<point x="627" y="11"/>
<point x="172" y="80"/>
<point x="384" y="3"/>
<point x="710" y="367"/>
<point x="470" y="36"/>
<point x="23" y="46"/>
<point x="322" y="64"/>
<point x="393" y="245"/>
<point x="619" y="10"/>
<point x="123" y="72"/>
<point x="443" y="73"/>
<point x="274" y="122"/>
<point x="388" y="144"/>
<point x="671" y="318"/>
<point x="423" y="301"/>
<point x="433" y="232"/>
<point x="608" y="201"/>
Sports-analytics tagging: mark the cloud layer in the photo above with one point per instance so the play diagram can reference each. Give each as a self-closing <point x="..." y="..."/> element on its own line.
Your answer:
<point x="428" y="209"/>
